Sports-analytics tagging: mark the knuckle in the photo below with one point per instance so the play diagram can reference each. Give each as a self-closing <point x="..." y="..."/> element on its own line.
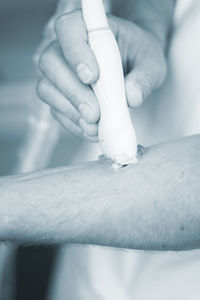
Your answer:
<point x="70" y="93"/>
<point x="47" y="56"/>
<point x="43" y="60"/>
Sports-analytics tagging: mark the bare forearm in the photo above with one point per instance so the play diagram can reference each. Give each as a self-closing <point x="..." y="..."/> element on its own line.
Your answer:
<point x="153" y="15"/>
<point x="154" y="205"/>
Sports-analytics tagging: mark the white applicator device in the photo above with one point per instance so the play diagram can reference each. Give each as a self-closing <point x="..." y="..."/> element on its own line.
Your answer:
<point x="117" y="137"/>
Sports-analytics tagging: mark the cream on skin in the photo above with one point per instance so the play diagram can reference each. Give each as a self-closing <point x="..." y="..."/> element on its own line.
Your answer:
<point x="153" y="205"/>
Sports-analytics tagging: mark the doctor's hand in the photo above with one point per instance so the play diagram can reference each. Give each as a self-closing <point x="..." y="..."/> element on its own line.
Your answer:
<point x="69" y="67"/>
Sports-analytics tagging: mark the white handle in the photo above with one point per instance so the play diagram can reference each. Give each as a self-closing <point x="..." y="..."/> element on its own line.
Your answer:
<point x="117" y="137"/>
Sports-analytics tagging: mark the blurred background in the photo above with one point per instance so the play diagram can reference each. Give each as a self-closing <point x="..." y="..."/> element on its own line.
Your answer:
<point x="21" y="27"/>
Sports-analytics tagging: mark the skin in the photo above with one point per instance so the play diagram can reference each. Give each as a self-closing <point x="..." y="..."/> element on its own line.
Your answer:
<point x="153" y="205"/>
<point x="68" y="65"/>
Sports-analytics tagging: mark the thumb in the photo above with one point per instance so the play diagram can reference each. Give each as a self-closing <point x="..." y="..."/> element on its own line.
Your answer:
<point x="73" y="39"/>
<point x="147" y="75"/>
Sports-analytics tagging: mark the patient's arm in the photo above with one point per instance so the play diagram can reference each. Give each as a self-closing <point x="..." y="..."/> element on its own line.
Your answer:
<point x="154" y="205"/>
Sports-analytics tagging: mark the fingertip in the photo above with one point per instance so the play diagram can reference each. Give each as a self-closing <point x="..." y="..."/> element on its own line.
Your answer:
<point x="134" y="93"/>
<point x="89" y="129"/>
<point x="94" y="117"/>
<point x="73" y="39"/>
<point x="89" y="113"/>
<point x="86" y="74"/>
<point x="67" y="124"/>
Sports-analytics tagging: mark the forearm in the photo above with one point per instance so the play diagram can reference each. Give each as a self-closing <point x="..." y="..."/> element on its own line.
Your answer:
<point x="153" y="15"/>
<point x="154" y="205"/>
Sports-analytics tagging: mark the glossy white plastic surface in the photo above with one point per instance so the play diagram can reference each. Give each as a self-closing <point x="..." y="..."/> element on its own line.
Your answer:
<point x="117" y="137"/>
<point x="94" y="14"/>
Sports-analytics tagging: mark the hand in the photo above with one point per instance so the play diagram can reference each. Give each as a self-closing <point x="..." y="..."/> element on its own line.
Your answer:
<point x="69" y="68"/>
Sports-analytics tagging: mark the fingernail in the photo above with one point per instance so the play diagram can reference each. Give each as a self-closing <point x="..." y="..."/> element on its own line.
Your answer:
<point x="134" y="94"/>
<point x="85" y="111"/>
<point x="84" y="73"/>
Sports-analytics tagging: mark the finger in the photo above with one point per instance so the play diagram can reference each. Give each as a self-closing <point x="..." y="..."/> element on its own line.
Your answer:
<point x="50" y="95"/>
<point x="42" y="46"/>
<point x="67" y="123"/>
<point x="93" y="139"/>
<point x="89" y="129"/>
<point x="54" y="67"/>
<point x="48" y="37"/>
<point x="72" y="36"/>
<point x="147" y="75"/>
<point x="71" y="127"/>
<point x="115" y="24"/>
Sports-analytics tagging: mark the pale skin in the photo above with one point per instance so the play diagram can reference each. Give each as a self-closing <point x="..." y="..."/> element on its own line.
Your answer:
<point x="69" y="67"/>
<point x="153" y="205"/>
